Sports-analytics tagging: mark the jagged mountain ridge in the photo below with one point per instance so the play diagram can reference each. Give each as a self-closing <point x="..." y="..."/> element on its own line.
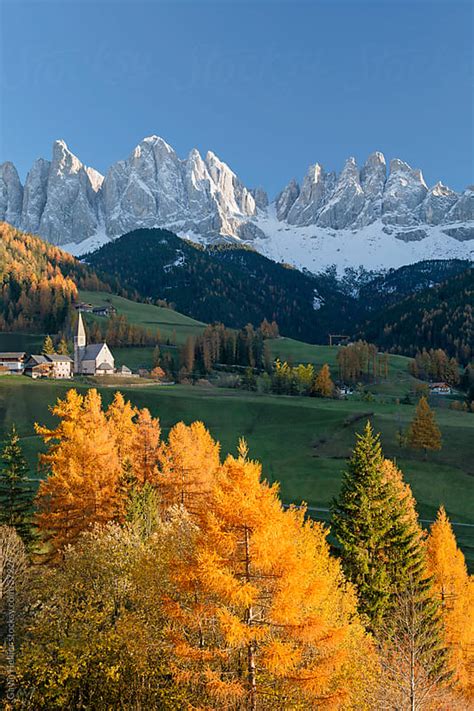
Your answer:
<point x="386" y="217"/>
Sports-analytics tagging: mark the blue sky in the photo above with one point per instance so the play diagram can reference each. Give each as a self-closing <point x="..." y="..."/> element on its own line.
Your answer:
<point x="270" y="86"/>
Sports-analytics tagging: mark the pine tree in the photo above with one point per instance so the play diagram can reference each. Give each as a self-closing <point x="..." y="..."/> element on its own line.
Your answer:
<point x="48" y="347"/>
<point x="424" y="433"/>
<point x="15" y="491"/>
<point x="455" y="590"/>
<point x="323" y="385"/>
<point x="375" y="523"/>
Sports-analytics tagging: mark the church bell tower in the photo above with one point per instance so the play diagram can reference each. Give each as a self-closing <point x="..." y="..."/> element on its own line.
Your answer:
<point x="79" y="343"/>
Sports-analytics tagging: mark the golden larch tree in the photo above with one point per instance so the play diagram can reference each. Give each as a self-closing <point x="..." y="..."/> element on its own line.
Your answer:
<point x="323" y="384"/>
<point x="263" y="617"/>
<point x="455" y="589"/>
<point x="146" y="448"/>
<point x="83" y="470"/>
<point x="424" y="433"/>
<point x="121" y="418"/>
<point x="188" y="463"/>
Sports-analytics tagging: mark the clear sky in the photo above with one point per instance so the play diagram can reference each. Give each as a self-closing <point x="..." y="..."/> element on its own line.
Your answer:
<point x="270" y="86"/>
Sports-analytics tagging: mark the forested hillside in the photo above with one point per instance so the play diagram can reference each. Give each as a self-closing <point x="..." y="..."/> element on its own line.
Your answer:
<point x="396" y="284"/>
<point x="440" y="317"/>
<point x="234" y="286"/>
<point x="38" y="282"/>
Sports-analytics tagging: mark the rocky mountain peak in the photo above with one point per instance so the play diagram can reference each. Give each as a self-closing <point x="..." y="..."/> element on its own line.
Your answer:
<point x="286" y="199"/>
<point x="65" y="201"/>
<point x="11" y="193"/>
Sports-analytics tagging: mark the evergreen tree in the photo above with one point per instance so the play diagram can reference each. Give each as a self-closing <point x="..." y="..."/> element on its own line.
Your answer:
<point x="375" y="523"/>
<point x="424" y="433"/>
<point x="48" y="347"/>
<point x="15" y="491"/>
<point x="323" y="385"/>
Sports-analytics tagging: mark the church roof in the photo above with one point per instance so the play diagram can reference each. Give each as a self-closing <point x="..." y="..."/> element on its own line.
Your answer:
<point x="105" y="366"/>
<point x="91" y="352"/>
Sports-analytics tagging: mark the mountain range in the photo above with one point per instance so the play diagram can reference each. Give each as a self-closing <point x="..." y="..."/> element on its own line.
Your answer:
<point x="237" y="285"/>
<point x="372" y="215"/>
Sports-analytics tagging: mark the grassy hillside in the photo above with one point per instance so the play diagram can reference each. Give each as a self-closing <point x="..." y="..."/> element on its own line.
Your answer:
<point x="399" y="381"/>
<point x="147" y="315"/>
<point x="301" y="442"/>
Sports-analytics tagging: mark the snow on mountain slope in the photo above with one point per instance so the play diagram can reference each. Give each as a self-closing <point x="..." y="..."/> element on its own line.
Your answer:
<point x="315" y="248"/>
<point x="368" y="216"/>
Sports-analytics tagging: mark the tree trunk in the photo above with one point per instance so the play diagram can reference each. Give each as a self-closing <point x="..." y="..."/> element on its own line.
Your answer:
<point x="412" y="681"/>
<point x="251" y="666"/>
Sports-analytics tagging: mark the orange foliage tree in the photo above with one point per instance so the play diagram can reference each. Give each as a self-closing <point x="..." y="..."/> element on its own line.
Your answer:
<point x="188" y="463"/>
<point x="455" y="589"/>
<point x="262" y="612"/>
<point x="84" y="467"/>
<point x="94" y="459"/>
<point x="146" y="448"/>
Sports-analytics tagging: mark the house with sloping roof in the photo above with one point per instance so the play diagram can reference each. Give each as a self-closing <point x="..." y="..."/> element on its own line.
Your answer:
<point x="49" y="366"/>
<point x="62" y="365"/>
<point x="38" y="366"/>
<point x="14" y="362"/>
<point x="440" y="389"/>
<point x="93" y="359"/>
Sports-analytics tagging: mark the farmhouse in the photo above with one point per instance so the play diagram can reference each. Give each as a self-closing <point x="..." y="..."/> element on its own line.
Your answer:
<point x="93" y="359"/>
<point x="440" y="389"/>
<point x="14" y="362"/>
<point x="48" y="366"/>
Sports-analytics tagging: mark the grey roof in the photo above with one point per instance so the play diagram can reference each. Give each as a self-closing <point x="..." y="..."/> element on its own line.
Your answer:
<point x="38" y="360"/>
<point x="105" y="366"/>
<point x="56" y="358"/>
<point x="124" y="369"/>
<point x="12" y="355"/>
<point x="91" y="352"/>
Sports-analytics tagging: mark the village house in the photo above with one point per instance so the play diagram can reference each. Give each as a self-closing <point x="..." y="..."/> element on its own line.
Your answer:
<point x="93" y="359"/>
<point x="38" y="366"/>
<point x="14" y="362"/>
<point x="440" y="389"/>
<point x="62" y="365"/>
<point x="49" y="366"/>
<point x="105" y="310"/>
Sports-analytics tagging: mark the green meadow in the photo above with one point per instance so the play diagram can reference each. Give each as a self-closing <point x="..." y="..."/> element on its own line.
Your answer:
<point x="171" y="324"/>
<point x="301" y="442"/>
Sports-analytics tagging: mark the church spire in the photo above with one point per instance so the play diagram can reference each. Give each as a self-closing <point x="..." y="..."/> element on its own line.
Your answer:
<point x="79" y="343"/>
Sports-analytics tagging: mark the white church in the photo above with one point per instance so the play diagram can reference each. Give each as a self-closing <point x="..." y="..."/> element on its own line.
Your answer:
<point x="95" y="359"/>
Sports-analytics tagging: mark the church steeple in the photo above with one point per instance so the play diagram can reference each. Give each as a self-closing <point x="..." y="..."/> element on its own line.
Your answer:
<point x="79" y="343"/>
